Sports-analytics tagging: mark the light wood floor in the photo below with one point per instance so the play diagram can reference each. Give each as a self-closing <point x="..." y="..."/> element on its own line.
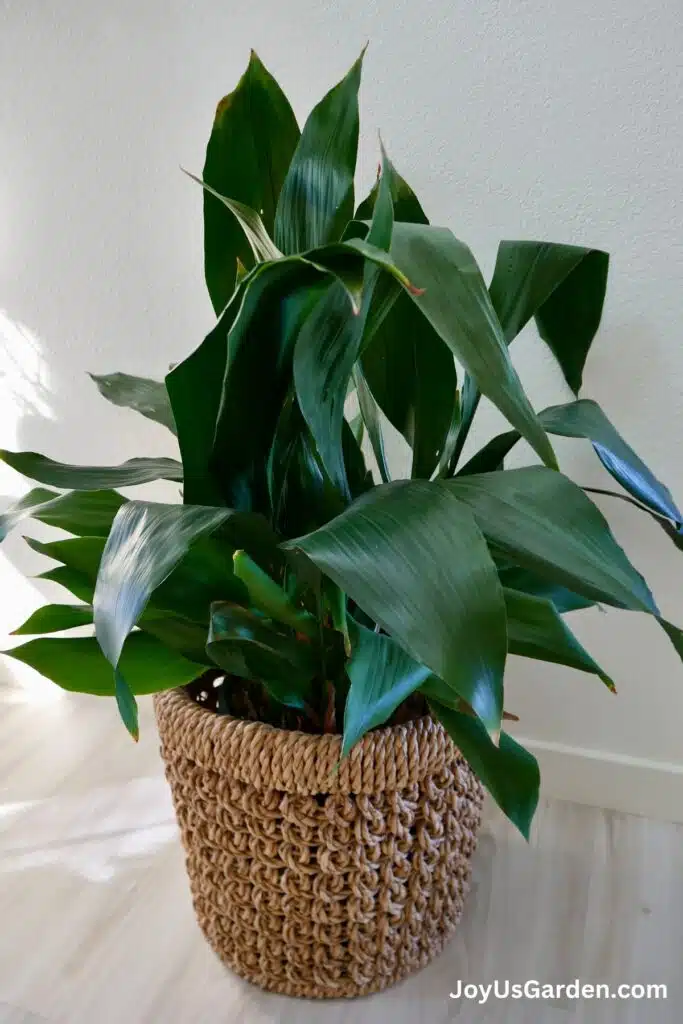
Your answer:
<point x="96" y="924"/>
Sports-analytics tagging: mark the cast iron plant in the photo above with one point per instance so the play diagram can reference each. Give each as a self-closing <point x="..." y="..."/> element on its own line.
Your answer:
<point x="298" y="581"/>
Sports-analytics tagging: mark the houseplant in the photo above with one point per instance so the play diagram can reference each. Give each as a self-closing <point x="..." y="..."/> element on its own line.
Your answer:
<point x="346" y="633"/>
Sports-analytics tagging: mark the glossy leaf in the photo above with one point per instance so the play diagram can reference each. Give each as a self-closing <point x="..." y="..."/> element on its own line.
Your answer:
<point x="80" y="512"/>
<point x="146" y="542"/>
<point x="54" y="618"/>
<point x="91" y="478"/>
<point x="509" y="772"/>
<point x="412" y="558"/>
<point x="316" y="199"/>
<point x="585" y="418"/>
<point x="258" y="377"/>
<point x="536" y="630"/>
<point x="382" y="220"/>
<point x="248" y="644"/>
<point x="540" y="520"/>
<point x="326" y="350"/>
<point x="382" y="675"/>
<point x="77" y="664"/>
<point x="457" y="304"/>
<point x="253" y="139"/>
<point x="148" y="397"/>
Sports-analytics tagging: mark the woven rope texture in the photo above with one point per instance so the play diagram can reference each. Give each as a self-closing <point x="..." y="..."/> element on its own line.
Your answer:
<point x="312" y="880"/>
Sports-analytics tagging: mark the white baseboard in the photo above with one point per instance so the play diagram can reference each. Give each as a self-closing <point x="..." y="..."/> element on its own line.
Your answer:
<point x="614" y="781"/>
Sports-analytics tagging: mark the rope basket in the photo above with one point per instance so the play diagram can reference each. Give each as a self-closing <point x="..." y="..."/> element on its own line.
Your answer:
<point x="313" y="878"/>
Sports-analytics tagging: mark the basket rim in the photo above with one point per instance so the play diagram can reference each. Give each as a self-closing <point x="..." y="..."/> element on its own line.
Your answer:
<point x="267" y="757"/>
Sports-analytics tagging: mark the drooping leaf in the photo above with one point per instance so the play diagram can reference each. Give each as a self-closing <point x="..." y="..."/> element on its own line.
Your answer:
<point x="80" y="512"/>
<point x="412" y="558"/>
<point x="253" y="139"/>
<point x="674" y="634"/>
<point x="77" y="664"/>
<point x="148" y="397"/>
<point x="509" y="772"/>
<point x="316" y="199"/>
<point x="91" y="478"/>
<point x="540" y="520"/>
<point x="457" y="304"/>
<point x="585" y="418"/>
<point x="563" y="287"/>
<point x="260" y="242"/>
<point x="536" y="630"/>
<point x="247" y="644"/>
<point x="54" y="618"/>
<point x="382" y="675"/>
<point x="127" y="705"/>
<point x="146" y="542"/>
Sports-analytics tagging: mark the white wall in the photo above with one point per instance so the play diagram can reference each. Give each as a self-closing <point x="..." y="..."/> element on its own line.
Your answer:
<point x="513" y="118"/>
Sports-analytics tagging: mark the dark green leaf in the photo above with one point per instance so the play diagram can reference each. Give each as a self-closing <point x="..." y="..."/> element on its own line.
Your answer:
<point x="382" y="221"/>
<point x="316" y="199"/>
<point x="540" y="520"/>
<point x="411" y="374"/>
<point x="515" y="578"/>
<point x="258" y="377"/>
<point x="53" y="618"/>
<point x="457" y="304"/>
<point x="77" y="664"/>
<point x="127" y="705"/>
<point x="585" y="418"/>
<point x="326" y="350"/>
<point x="252" y="142"/>
<point x="146" y="542"/>
<point x="413" y="559"/>
<point x="247" y="644"/>
<point x="369" y="418"/>
<point x="563" y="286"/>
<point x="91" y="478"/>
<point x="382" y="675"/>
<point x="535" y="630"/>
<point x="148" y="397"/>
<point x="491" y="457"/>
<point x="509" y="772"/>
<point x="406" y="204"/>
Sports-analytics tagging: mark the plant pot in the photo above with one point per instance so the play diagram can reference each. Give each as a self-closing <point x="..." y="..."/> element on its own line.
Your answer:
<point x="312" y="880"/>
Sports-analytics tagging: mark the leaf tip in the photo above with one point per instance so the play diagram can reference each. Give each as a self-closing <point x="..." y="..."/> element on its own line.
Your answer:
<point x="417" y="292"/>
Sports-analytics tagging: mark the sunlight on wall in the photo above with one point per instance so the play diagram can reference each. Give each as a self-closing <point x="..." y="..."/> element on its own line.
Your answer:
<point x="24" y="391"/>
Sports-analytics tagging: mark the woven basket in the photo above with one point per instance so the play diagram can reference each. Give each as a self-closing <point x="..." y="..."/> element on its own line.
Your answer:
<point x="312" y="880"/>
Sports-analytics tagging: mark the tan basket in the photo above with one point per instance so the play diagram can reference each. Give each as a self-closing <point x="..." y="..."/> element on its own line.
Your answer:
<point x="312" y="880"/>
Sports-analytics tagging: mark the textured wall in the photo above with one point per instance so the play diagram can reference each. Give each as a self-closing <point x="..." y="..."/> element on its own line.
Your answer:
<point x="515" y="118"/>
